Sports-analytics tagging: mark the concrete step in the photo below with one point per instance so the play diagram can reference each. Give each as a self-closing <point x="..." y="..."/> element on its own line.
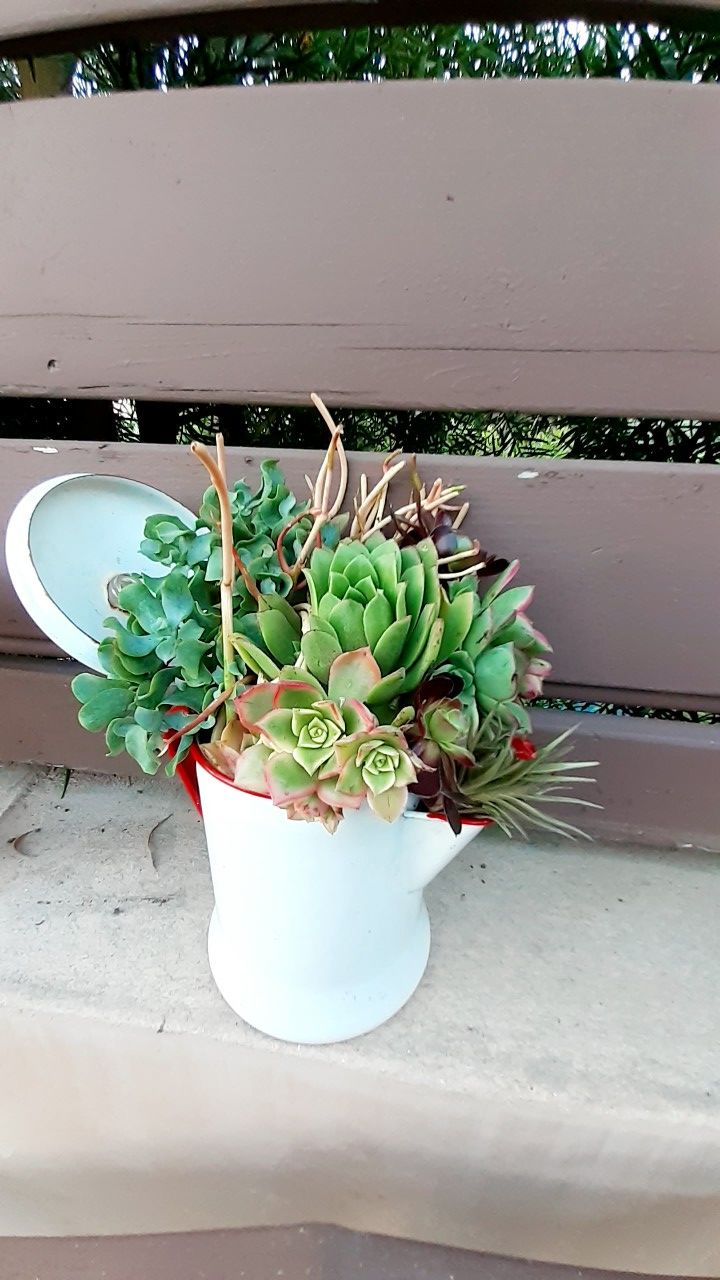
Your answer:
<point x="551" y="1091"/>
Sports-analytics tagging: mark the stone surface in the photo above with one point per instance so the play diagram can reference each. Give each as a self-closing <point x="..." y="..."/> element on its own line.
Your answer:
<point x="581" y="974"/>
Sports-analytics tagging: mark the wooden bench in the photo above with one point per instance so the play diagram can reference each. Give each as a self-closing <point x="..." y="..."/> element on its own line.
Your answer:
<point x="535" y="245"/>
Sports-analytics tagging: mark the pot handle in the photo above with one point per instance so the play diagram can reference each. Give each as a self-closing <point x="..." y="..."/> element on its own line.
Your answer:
<point x="186" y="771"/>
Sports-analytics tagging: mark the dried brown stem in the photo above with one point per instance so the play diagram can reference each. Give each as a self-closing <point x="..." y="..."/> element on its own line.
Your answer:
<point x="196" y="720"/>
<point x="247" y="577"/>
<point x="216" y="471"/>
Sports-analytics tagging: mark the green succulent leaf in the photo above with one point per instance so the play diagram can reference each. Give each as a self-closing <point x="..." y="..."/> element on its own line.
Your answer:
<point x="175" y="596"/>
<point x="105" y="705"/>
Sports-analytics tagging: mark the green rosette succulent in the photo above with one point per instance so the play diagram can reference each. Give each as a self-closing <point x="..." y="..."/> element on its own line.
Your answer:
<point x="297" y="729"/>
<point x="315" y="756"/>
<point x="389" y="600"/>
<point x="375" y="765"/>
<point x="506" y="652"/>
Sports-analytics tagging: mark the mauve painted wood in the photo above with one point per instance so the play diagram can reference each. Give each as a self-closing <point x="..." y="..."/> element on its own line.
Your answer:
<point x="263" y="1253"/>
<point x="656" y="779"/>
<point x="624" y="555"/>
<point x="480" y="244"/>
<point x="45" y="27"/>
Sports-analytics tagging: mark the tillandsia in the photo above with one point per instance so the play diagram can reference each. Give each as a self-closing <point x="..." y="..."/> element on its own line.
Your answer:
<point x="329" y="654"/>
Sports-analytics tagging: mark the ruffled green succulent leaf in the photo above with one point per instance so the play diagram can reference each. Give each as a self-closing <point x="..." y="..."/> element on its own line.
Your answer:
<point x="137" y="599"/>
<point x="85" y="686"/>
<point x="103" y="706"/>
<point x="175" y="597"/>
<point x="286" y="779"/>
<point x="199" y="549"/>
<point x="153" y="721"/>
<point x="338" y="584"/>
<point x="354" y="675"/>
<point x="115" y="735"/>
<point x="458" y="617"/>
<point x="143" y="747"/>
<point x="214" y="567"/>
<point x="129" y="643"/>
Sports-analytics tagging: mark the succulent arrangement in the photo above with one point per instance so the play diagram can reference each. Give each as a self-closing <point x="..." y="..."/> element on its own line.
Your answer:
<point x="328" y="659"/>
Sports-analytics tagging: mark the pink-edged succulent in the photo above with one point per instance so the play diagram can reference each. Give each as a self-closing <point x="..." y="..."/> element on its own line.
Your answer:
<point x="375" y="765"/>
<point x="315" y="756"/>
<point x="297" y="730"/>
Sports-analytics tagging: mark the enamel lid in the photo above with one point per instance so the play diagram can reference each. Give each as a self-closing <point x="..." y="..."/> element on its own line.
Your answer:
<point x="66" y="541"/>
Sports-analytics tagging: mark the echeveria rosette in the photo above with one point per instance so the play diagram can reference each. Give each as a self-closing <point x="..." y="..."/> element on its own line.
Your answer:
<point x="373" y="595"/>
<point x="440" y="732"/>
<point x="504" y="647"/>
<point x="298" y="730"/>
<point x="376" y="765"/>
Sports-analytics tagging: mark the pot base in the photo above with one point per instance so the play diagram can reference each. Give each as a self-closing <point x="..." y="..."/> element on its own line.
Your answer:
<point x="303" y="1016"/>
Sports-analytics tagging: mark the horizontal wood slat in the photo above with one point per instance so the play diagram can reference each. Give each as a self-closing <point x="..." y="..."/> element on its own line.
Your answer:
<point x="429" y="244"/>
<point x="298" y="1253"/>
<point x="657" y="780"/>
<point x="624" y="555"/>
<point x="79" y="25"/>
<point x="45" y="27"/>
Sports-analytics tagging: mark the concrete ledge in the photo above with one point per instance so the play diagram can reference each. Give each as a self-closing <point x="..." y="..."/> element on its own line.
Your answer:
<point x="551" y="1091"/>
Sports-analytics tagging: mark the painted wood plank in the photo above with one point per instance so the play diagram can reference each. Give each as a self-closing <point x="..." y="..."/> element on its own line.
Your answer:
<point x="657" y="779"/>
<point x="47" y="27"/>
<point x="297" y="1252"/>
<point x="624" y="555"/>
<point x="466" y="244"/>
